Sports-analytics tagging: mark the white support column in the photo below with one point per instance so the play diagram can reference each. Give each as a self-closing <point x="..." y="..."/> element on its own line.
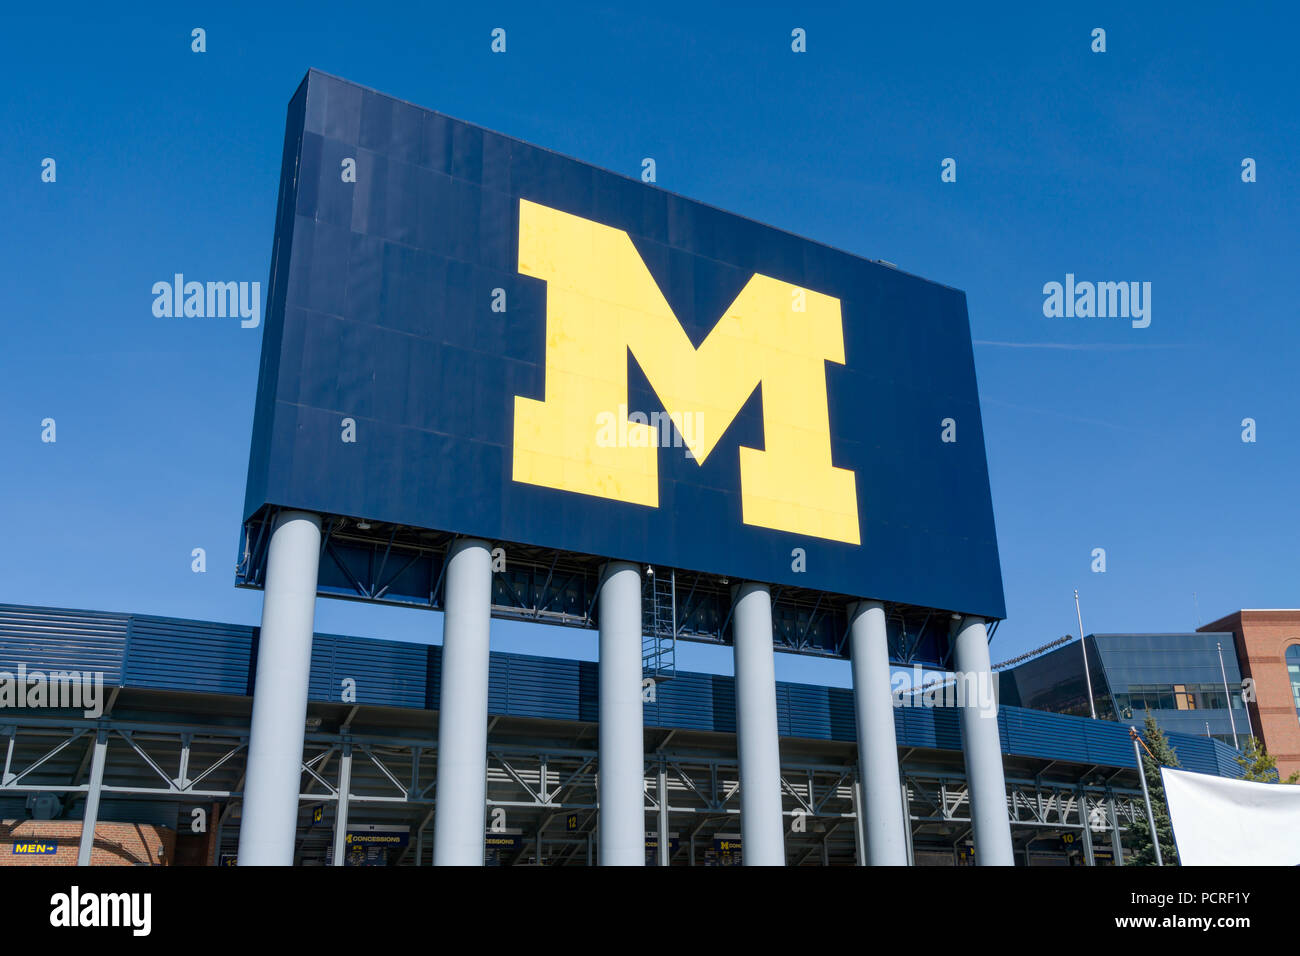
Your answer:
<point x="762" y="824"/>
<point x="907" y="822"/>
<point x="341" y="814"/>
<point x="1089" y="857"/>
<point x="983" y="749"/>
<point x="620" y="776"/>
<point x="461" y="797"/>
<point x="1116" y="842"/>
<point x="269" y="821"/>
<point x="665" y="848"/>
<point x="886" y="833"/>
<point x="91" y="815"/>
<point x="859" y="826"/>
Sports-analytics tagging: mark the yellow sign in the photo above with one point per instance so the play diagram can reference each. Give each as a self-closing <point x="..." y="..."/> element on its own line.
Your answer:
<point x="35" y="849"/>
<point x="601" y="303"/>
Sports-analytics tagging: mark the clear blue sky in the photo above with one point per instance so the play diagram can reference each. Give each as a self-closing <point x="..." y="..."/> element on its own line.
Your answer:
<point x="1119" y="166"/>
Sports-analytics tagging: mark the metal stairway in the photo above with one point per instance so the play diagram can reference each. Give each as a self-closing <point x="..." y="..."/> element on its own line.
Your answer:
<point x="658" y="625"/>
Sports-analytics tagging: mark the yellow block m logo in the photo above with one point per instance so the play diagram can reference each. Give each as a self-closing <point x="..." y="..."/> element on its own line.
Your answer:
<point x="601" y="302"/>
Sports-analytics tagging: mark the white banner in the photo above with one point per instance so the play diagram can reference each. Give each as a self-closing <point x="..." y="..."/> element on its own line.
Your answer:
<point x="1222" y="822"/>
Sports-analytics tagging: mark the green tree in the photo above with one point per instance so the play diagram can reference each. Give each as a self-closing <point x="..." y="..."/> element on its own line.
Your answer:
<point x="1259" y="764"/>
<point x="1143" y="853"/>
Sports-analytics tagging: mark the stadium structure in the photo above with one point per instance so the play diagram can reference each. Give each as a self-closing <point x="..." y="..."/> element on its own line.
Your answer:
<point x="499" y="382"/>
<point x="174" y="737"/>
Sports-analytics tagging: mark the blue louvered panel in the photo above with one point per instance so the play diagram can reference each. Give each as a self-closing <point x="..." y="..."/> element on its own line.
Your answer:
<point x="499" y="684"/>
<point x="843" y="719"/>
<point x="188" y="655"/>
<point x="388" y="673"/>
<point x="1195" y="753"/>
<point x="807" y="712"/>
<point x="947" y="727"/>
<point x="432" y="676"/>
<point x="783" y="710"/>
<point x="322" y="685"/>
<point x="541" y="687"/>
<point x="723" y="698"/>
<point x="215" y="658"/>
<point x="1225" y="759"/>
<point x="913" y="727"/>
<point x="685" y="702"/>
<point x="588" y="691"/>
<point x="936" y="727"/>
<point x="1003" y="733"/>
<point x="1107" y="742"/>
<point x="62" y="640"/>
<point x="1032" y="733"/>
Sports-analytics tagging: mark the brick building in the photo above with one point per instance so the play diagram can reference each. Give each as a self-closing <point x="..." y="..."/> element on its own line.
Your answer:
<point x="55" y="843"/>
<point x="1268" y="649"/>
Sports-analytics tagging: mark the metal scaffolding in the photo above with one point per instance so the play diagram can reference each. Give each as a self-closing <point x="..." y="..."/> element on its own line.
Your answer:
<point x="379" y="766"/>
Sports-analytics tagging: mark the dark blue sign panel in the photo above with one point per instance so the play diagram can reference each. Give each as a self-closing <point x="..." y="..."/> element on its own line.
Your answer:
<point x="35" y="848"/>
<point x="469" y="334"/>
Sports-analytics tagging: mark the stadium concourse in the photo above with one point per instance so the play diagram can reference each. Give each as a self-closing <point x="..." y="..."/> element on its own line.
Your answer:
<point x="162" y="767"/>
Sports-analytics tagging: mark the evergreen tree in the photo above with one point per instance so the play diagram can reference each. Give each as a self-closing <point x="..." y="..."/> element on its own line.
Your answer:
<point x="1143" y="854"/>
<point x="1259" y="764"/>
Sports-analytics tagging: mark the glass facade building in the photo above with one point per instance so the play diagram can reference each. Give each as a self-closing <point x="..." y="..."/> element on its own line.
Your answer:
<point x="1293" y="672"/>
<point x="1177" y="677"/>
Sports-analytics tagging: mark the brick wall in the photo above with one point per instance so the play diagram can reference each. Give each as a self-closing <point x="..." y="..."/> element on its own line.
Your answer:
<point x="1262" y="638"/>
<point x="116" y="844"/>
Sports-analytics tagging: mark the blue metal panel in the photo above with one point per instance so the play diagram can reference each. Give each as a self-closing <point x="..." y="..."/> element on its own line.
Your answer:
<point x="499" y="684"/>
<point x="539" y="687"/>
<point x="381" y="311"/>
<point x="1205" y="755"/>
<point x="687" y="701"/>
<point x="277" y="290"/>
<point x="807" y="711"/>
<point x="783" y="709"/>
<point x="927" y="727"/>
<point x="388" y="673"/>
<point x="1198" y="755"/>
<point x="1034" y="733"/>
<point x="216" y="658"/>
<point x="1225" y="760"/>
<point x="322" y="685"/>
<point x="843" y="719"/>
<point x="57" y="639"/>
<point x="1106" y="742"/>
<point x="189" y="655"/>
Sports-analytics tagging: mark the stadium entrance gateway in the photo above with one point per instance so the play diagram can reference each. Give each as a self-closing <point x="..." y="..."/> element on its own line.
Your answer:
<point x="405" y="429"/>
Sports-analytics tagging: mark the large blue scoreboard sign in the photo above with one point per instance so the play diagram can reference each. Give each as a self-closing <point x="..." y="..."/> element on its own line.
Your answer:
<point x="469" y="334"/>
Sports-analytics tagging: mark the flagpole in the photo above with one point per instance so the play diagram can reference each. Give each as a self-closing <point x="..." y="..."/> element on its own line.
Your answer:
<point x="1146" y="796"/>
<point x="1087" y="673"/>
<point x="1228" y="694"/>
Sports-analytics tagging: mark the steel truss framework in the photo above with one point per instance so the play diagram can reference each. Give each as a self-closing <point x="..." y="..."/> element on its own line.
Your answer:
<point x="541" y="789"/>
<point x="392" y="564"/>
